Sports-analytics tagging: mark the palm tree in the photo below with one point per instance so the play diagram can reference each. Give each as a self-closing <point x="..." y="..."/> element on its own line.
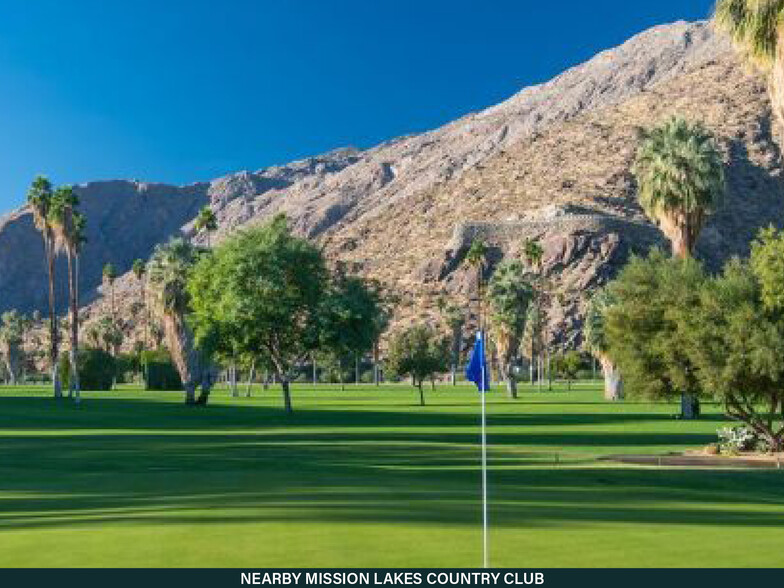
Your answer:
<point x="680" y="174"/>
<point x="476" y="258"/>
<point x="140" y="271"/>
<point x="509" y="295"/>
<point x="68" y="226"/>
<point x="533" y="255"/>
<point x="109" y="276"/>
<point x="454" y="318"/>
<point x="39" y="197"/>
<point x="595" y="341"/>
<point x="168" y="270"/>
<point x="206" y="222"/>
<point x="755" y="28"/>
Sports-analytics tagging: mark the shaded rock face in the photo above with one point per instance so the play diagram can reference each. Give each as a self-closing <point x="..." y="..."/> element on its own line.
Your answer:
<point x="552" y="162"/>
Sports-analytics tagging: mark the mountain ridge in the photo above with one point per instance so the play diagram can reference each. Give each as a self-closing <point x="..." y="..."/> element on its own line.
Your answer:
<point x="341" y="196"/>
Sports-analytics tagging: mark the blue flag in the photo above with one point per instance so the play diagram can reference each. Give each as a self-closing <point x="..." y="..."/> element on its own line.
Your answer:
<point x="476" y="371"/>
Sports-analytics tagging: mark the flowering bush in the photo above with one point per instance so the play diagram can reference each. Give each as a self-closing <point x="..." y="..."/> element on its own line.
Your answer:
<point x="738" y="438"/>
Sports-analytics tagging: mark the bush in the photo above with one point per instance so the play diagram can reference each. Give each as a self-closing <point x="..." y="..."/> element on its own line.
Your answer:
<point x="96" y="370"/>
<point x="127" y="365"/>
<point x="159" y="371"/>
<point x="737" y="439"/>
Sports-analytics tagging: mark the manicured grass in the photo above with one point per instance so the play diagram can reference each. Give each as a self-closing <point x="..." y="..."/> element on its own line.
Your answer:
<point x="366" y="477"/>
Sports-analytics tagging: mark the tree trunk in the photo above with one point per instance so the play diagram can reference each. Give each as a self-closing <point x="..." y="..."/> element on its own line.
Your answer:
<point x="690" y="407"/>
<point x="74" y="387"/>
<point x="421" y="394"/>
<point x="376" y="379"/>
<point x="511" y="384"/>
<point x="54" y="335"/>
<point x="613" y="383"/>
<point x="284" y="383"/>
<point x="315" y="370"/>
<point x="208" y="377"/>
<point x="457" y="344"/>
<point x="250" y="378"/>
<point x="776" y="85"/>
<point x="234" y="389"/>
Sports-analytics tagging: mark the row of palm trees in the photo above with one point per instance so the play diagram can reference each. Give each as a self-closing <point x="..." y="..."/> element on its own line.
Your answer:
<point x="62" y="226"/>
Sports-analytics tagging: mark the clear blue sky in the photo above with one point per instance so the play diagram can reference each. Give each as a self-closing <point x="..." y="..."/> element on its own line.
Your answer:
<point x="180" y="91"/>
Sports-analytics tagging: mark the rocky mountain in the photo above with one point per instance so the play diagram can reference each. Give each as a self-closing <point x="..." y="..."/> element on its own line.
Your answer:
<point x="551" y="162"/>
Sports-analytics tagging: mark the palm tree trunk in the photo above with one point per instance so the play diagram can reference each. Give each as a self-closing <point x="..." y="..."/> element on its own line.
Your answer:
<point x="613" y="384"/>
<point x="54" y="338"/>
<point x="73" y="381"/>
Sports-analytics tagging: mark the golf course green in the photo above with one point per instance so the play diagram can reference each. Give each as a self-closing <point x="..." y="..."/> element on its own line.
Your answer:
<point x="366" y="477"/>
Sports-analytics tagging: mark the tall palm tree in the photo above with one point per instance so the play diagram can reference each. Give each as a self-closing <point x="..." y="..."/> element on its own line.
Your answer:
<point x="68" y="226"/>
<point x="206" y="222"/>
<point x="595" y="341"/>
<point x="680" y="174"/>
<point x="509" y="296"/>
<point x="140" y="271"/>
<point x="39" y="198"/>
<point x="476" y="258"/>
<point x="168" y="270"/>
<point x="755" y="27"/>
<point x="454" y="317"/>
<point x="533" y="256"/>
<point x="109" y="276"/>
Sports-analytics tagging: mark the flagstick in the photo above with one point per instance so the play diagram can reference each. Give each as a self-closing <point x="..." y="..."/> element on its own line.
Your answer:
<point x="484" y="469"/>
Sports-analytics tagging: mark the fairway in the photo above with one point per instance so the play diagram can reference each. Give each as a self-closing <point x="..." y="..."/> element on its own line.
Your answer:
<point x="367" y="478"/>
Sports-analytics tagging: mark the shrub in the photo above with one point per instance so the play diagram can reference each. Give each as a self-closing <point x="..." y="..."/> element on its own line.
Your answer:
<point x="736" y="439"/>
<point x="96" y="370"/>
<point x="159" y="371"/>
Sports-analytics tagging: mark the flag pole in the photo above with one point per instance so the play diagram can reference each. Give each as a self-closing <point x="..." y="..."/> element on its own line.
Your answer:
<point x="483" y="392"/>
<point x="485" y="562"/>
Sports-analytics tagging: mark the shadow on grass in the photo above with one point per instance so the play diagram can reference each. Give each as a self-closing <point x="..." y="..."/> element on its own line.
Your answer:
<point x="169" y="464"/>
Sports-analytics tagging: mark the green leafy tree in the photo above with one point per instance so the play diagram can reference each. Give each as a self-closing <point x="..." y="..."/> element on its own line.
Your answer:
<point x="68" y="226"/>
<point x="206" y="222"/>
<point x="735" y="340"/>
<point x="13" y="326"/>
<point x="680" y="174"/>
<point x="509" y="296"/>
<point x="419" y="352"/>
<point x="348" y="320"/>
<point x="169" y="270"/>
<point x="595" y="341"/>
<point x="261" y="292"/>
<point x="568" y="366"/>
<point x="644" y="332"/>
<point x="755" y="28"/>
<point x="39" y="198"/>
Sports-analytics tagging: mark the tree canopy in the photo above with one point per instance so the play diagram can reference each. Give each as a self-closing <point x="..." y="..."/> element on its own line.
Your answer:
<point x="420" y="352"/>
<point x="260" y="292"/>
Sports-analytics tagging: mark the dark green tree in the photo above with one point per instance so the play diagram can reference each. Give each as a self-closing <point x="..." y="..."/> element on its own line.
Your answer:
<point x="420" y="352"/>
<point x="260" y="292"/>
<point x="735" y="341"/>
<point x="349" y="320"/>
<point x="644" y="332"/>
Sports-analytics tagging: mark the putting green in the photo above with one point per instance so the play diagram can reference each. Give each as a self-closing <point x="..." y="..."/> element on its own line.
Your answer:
<point x="366" y="477"/>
